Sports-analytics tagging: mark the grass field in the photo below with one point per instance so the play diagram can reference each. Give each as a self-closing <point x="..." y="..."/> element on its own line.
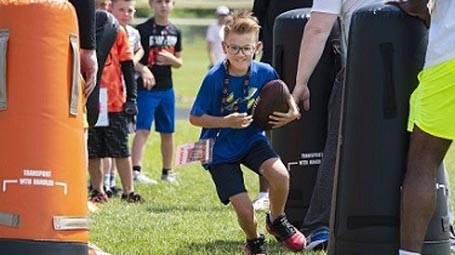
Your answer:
<point x="188" y="78"/>
<point x="185" y="219"/>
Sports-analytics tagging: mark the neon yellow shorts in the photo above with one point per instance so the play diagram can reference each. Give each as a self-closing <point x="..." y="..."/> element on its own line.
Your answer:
<point x="432" y="104"/>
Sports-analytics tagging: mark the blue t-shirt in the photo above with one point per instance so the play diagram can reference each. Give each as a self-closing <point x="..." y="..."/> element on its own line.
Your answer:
<point x="231" y="144"/>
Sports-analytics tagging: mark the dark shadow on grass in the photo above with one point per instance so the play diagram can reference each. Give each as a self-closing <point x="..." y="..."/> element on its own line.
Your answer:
<point x="183" y="208"/>
<point x="214" y="247"/>
<point x="228" y="247"/>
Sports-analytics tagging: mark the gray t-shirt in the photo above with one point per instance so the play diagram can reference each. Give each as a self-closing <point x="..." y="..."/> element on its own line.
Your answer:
<point x="344" y="9"/>
<point x="134" y="38"/>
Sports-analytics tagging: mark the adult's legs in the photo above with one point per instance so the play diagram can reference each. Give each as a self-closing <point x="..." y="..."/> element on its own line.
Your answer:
<point x="318" y="214"/>
<point x="418" y="200"/>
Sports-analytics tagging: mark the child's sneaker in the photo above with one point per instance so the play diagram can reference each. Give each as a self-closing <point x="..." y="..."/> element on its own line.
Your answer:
<point x="256" y="246"/>
<point x="113" y="191"/>
<point x="170" y="177"/>
<point x="261" y="203"/>
<point x="98" y="197"/>
<point x="286" y="233"/>
<point x="132" y="197"/>
<point x="140" y="177"/>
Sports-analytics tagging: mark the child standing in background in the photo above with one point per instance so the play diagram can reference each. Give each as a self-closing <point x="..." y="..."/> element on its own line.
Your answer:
<point x="162" y="43"/>
<point x="123" y="11"/>
<point x="215" y="35"/>
<point x="112" y="141"/>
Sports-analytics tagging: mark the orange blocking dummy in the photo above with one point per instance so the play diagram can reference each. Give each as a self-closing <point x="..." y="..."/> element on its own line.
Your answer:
<point x="43" y="200"/>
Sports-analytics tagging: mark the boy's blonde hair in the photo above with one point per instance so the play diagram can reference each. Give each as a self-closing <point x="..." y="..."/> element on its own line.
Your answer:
<point x="241" y="22"/>
<point x="115" y="1"/>
<point x="102" y="4"/>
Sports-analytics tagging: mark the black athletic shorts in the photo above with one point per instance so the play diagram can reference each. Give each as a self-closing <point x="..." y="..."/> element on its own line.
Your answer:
<point x="111" y="141"/>
<point x="228" y="177"/>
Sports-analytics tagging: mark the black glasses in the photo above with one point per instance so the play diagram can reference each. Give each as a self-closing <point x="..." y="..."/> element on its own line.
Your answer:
<point x="246" y="50"/>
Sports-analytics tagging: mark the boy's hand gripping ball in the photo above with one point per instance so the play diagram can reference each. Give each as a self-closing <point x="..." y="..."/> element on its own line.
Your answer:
<point x="273" y="97"/>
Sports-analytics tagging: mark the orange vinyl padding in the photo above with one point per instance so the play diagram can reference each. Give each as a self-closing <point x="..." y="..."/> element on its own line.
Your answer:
<point x="42" y="153"/>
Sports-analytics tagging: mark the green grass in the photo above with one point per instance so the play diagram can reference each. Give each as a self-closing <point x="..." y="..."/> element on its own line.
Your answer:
<point x="188" y="78"/>
<point x="450" y="165"/>
<point x="184" y="219"/>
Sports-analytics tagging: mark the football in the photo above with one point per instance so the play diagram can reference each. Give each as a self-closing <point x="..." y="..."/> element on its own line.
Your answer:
<point x="273" y="97"/>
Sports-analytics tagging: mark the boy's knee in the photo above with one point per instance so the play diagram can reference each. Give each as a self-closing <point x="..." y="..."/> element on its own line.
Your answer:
<point x="283" y="174"/>
<point x="245" y="211"/>
<point x="143" y="133"/>
<point x="277" y="176"/>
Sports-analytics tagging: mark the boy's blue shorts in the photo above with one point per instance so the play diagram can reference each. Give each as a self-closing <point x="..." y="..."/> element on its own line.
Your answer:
<point x="228" y="177"/>
<point x="158" y="105"/>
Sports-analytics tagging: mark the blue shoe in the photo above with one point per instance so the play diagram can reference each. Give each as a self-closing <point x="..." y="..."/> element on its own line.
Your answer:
<point x="318" y="240"/>
<point x="452" y="239"/>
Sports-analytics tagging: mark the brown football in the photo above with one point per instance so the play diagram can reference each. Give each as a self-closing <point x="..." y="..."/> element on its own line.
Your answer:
<point x="273" y="97"/>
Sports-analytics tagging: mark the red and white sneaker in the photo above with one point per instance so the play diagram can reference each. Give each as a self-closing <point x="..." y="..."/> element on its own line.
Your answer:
<point x="286" y="233"/>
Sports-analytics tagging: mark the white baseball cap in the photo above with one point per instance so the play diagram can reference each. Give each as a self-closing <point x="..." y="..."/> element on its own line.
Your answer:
<point x="222" y="10"/>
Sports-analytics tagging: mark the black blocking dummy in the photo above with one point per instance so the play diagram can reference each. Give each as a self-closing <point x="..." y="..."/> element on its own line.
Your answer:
<point x="300" y="144"/>
<point x="106" y="32"/>
<point x="385" y="53"/>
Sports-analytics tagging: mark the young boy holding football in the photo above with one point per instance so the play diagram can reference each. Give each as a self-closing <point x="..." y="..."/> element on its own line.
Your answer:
<point x="223" y="109"/>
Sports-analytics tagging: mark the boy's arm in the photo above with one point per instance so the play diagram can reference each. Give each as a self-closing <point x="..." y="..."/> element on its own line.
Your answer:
<point x="233" y="120"/>
<point x="146" y="75"/>
<point x="138" y="56"/>
<point x="131" y="88"/>
<point x="178" y="60"/>
<point x="171" y="59"/>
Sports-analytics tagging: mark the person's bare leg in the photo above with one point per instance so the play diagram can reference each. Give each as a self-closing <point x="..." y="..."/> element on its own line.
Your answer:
<point x="278" y="177"/>
<point x="125" y="171"/>
<point x="167" y="149"/>
<point x="137" y="150"/>
<point x="263" y="183"/>
<point x="96" y="174"/>
<point x="245" y="215"/>
<point x="418" y="199"/>
<point x="107" y="167"/>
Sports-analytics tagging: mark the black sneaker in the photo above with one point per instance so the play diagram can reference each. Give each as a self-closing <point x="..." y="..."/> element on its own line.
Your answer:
<point x="113" y="191"/>
<point x="97" y="197"/>
<point x="256" y="246"/>
<point x="132" y="197"/>
<point x="286" y="233"/>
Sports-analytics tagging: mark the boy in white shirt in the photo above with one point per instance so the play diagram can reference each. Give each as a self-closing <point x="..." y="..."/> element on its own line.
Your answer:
<point x="215" y="35"/>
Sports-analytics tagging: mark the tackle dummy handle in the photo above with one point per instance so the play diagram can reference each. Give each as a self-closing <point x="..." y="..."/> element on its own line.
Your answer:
<point x="4" y="36"/>
<point x="76" y="82"/>
<point x="390" y="110"/>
